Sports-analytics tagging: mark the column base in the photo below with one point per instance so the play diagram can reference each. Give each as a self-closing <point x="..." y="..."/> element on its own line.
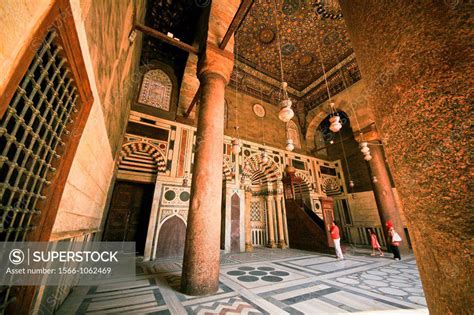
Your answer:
<point x="248" y="247"/>
<point x="271" y="244"/>
<point x="282" y="245"/>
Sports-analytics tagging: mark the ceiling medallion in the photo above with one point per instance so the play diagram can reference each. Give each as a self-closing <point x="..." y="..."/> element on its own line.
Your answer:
<point x="328" y="9"/>
<point x="266" y="36"/>
<point x="290" y="7"/>
<point x="259" y="110"/>
<point x="305" y="60"/>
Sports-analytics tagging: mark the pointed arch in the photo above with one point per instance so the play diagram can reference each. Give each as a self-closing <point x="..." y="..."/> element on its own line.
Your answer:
<point x="141" y="157"/>
<point x="304" y="185"/>
<point x="258" y="171"/>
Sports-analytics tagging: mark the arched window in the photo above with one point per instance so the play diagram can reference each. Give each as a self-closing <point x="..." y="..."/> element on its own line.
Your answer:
<point x="156" y="89"/>
<point x="293" y="133"/>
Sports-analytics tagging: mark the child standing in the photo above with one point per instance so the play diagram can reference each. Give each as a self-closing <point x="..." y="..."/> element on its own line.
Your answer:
<point x="375" y="243"/>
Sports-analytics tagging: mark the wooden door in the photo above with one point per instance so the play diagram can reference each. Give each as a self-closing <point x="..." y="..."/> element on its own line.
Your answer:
<point x="129" y="214"/>
<point x="235" y="224"/>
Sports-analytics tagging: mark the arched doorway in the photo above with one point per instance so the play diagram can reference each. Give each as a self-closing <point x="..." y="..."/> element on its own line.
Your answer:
<point x="171" y="238"/>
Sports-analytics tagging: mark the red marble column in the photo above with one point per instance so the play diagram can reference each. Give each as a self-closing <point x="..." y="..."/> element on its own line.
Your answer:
<point x="201" y="262"/>
<point x="248" y="227"/>
<point x="416" y="58"/>
<point x="281" y="232"/>
<point x="271" y="230"/>
<point x="384" y="196"/>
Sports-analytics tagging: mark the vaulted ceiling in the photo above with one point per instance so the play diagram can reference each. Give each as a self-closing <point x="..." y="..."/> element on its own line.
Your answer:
<point x="308" y="41"/>
<point x="304" y="37"/>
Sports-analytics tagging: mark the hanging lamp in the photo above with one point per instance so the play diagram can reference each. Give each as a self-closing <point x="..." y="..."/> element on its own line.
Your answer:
<point x="286" y="112"/>
<point x="289" y="145"/>
<point x="335" y="119"/>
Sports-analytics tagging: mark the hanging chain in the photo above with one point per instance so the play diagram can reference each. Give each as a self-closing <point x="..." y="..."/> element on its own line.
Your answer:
<point x="236" y="92"/>
<point x="278" y="43"/>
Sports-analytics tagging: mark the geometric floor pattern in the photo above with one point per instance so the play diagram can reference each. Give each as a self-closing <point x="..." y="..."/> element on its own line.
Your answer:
<point x="266" y="281"/>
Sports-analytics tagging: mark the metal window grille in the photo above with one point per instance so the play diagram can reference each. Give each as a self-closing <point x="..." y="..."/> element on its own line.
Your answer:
<point x="30" y="133"/>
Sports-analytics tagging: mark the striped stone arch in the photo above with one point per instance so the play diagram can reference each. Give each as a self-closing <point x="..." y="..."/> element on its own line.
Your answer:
<point x="305" y="183"/>
<point x="227" y="169"/>
<point x="331" y="186"/>
<point x="258" y="171"/>
<point x="142" y="157"/>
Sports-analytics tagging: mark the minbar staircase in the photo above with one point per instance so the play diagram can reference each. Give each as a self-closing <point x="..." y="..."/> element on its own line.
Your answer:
<point x="305" y="228"/>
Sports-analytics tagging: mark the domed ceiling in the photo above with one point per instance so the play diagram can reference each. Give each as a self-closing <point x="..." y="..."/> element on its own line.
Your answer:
<point x="305" y="35"/>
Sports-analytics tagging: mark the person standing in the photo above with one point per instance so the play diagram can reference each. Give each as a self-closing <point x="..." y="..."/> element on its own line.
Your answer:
<point x="394" y="240"/>
<point x="375" y="243"/>
<point x="336" y="239"/>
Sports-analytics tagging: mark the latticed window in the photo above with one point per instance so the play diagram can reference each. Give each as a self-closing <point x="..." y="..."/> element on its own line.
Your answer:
<point x="42" y="114"/>
<point x="30" y="134"/>
<point x="156" y="89"/>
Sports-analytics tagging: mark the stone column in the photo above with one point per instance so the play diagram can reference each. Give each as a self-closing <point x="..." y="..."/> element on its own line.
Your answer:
<point x="248" y="227"/>
<point x="281" y="231"/>
<point x="271" y="233"/>
<point x="416" y="58"/>
<point x="201" y="260"/>
<point x="384" y="196"/>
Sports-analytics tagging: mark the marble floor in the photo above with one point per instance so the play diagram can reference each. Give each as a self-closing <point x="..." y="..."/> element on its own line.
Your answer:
<point x="266" y="281"/>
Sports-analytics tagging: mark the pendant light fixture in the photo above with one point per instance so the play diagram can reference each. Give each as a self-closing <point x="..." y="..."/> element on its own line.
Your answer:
<point x="289" y="145"/>
<point x="286" y="113"/>
<point x="235" y="142"/>
<point x="335" y="119"/>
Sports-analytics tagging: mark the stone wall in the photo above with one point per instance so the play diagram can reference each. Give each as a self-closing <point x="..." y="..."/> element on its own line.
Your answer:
<point x="84" y="199"/>
<point x="418" y="58"/>
<point x="251" y="126"/>
<point x="108" y="24"/>
<point x="20" y="19"/>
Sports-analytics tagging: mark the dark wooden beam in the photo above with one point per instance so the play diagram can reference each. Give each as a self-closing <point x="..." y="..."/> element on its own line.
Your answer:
<point x="163" y="37"/>
<point x="242" y="11"/>
<point x="239" y="16"/>
<point x="193" y="102"/>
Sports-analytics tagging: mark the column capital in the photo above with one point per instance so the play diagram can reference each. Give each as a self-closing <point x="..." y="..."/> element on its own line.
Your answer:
<point x="370" y="133"/>
<point x="215" y="61"/>
<point x="269" y="197"/>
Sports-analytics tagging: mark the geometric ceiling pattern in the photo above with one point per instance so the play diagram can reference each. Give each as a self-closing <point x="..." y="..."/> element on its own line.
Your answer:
<point x="304" y="37"/>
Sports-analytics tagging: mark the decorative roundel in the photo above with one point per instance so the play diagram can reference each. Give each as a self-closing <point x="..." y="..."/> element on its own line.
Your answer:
<point x="266" y="36"/>
<point x="259" y="110"/>
<point x="247" y="153"/>
<point x="305" y="60"/>
<point x="276" y="159"/>
<point x="316" y="205"/>
<point x="184" y="196"/>
<point x="170" y="195"/>
<point x="290" y="7"/>
<point x="252" y="274"/>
